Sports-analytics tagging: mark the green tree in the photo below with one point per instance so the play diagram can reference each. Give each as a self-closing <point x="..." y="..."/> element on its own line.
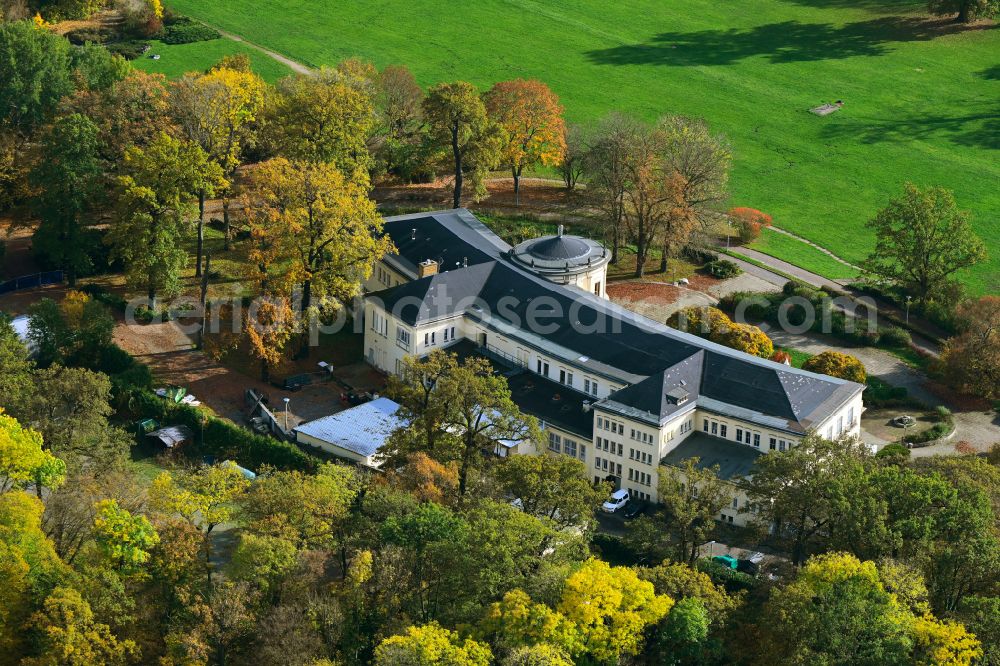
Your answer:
<point x="692" y="496"/>
<point x="219" y="111"/>
<point x="921" y="241"/>
<point x="15" y="379"/>
<point x="684" y="636"/>
<point x="682" y="581"/>
<point x="22" y="460"/>
<point x="792" y="490"/>
<point x="541" y="654"/>
<point x="323" y="117"/>
<point x="835" y="612"/>
<point x="965" y="11"/>
<point x="431" y="645"/>
<point x="204" y="498"/>
<point x="457" y="119"/>
<point x="614" y="143"/>
<point x="34" y="75"/>
<point x="469" y="410"/>
<point x="123" y="537"/>
<point x="155" y="198"/>
<point x="68" y="635"/>
<point x="553" y="487"/>
<point x="66" y="178"/>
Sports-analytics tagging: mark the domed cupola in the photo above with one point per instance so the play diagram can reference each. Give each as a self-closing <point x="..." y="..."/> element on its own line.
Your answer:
<point x="565" y="259"/>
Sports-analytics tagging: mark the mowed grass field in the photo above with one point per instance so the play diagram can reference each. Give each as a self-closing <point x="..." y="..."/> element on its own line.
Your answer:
<point x="922" y="95"/>
<point x="178" y="59"/>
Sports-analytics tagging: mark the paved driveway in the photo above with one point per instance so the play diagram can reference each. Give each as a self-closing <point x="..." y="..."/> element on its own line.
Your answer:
<point x="981" y="429"/>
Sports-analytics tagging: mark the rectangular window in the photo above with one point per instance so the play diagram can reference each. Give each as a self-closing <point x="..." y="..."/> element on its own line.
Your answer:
<point x="756" y="439"/>
<point x="583" y="452"/>
<point x="850" y="416"/>
<point x="586" y="385"/>
<point x="781" y="445"/>
<point x="403" y="338"/>
<point x="554" y="442"/>
<point x="840" y="425"/>
<point x="621" y="449"/>
<point x="704" y="425"/>
<point x="569" y="447"/>
<point x="619" y="470"/>
<point x="715" y="427"/>
<point x="774" y="443"/>
<point x="739" y="434"/>
<point x="593" y="388"/>
<point x="722" y="430"/>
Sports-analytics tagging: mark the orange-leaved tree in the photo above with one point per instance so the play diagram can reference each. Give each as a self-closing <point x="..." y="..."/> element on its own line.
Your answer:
<point x="530" y="117"/>
<point x="748" y="222"/>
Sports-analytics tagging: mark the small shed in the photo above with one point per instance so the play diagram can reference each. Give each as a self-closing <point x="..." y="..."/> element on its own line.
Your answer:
<point x="355" y="434"/>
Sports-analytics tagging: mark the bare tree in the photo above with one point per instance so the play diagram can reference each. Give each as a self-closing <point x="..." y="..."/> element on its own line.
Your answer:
<point x="612" y="146"/>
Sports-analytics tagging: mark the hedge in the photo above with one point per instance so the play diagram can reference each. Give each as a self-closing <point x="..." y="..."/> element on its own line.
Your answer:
<point x="187" y="33"/>
<point x="220" y="438"/>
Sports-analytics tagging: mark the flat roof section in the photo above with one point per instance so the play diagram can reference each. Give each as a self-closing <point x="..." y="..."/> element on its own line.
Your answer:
<point x="735" y="461"/>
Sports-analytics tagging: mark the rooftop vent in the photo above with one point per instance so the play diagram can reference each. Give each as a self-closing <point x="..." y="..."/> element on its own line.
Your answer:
<point x="413" y="233"/>
<point x="586" y="406"/>
<point x="559" y="232"/>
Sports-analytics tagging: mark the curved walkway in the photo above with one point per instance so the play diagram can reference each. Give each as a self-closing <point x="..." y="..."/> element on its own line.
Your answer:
<point x="818" y="247"/>
<point x="981" y="429"/>
<point x="294" y="65"/>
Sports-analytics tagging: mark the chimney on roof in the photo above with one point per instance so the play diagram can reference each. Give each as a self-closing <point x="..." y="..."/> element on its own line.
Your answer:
<point x="560" y="231"/>
<point x="427" y="267"/>
<point x="413" y="233"/>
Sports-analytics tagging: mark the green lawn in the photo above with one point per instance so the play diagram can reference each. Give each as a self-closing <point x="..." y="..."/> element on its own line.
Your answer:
<point x="801" y="254"/>
<point x="922" y="98"/>
<point x="179" y="59"/>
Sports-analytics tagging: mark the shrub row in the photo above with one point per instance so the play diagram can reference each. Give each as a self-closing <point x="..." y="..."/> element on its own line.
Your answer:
<point x="185" y="31"/>
<point x="766" y="307"/>
<point x="218" y="437"/>
<point x="944" y="426"/>
<point x="129" y="49"/>
<point x="723" y="269"/>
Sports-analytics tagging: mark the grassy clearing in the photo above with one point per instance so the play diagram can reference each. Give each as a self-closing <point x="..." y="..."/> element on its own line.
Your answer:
<point x="797" y="357"/>
<point x="921" y="96"/>
<point x="178" y="59"/>
<point x="802" y="254"/>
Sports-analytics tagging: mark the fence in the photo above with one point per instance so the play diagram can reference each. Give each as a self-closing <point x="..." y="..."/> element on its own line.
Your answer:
<point x="31" y="281"/>
<point x="260" y="410"/>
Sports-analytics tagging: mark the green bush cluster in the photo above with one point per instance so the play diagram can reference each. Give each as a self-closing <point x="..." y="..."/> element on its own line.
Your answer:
<point x="723" y="269"/>
<point x="766" y="306"/>
<point x="183" y="30"/>
<point x="731" y="579"/>
<point x="129" y="49"/>
<point x="880" y="394"/>
<point x="944" y="426"/>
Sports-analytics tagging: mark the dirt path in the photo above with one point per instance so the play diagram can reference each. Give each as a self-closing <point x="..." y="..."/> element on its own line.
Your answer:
<point x="818" y="247"/>
<point x="294" y="65"/>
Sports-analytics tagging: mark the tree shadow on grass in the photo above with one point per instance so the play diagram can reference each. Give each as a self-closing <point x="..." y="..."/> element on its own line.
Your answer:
<point x="874" y="6"/>
<point x="990" y="73"/>
<point x="979" y="127"/>
<point x="789" y="41"/>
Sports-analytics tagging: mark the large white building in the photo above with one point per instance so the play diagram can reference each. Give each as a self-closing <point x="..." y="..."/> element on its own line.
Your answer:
<point x="620" y="392"/>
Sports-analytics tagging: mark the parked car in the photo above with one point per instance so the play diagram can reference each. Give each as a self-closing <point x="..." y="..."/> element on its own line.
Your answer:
<point x="618" y="499"/>
<point x="727" y="561"/>
<point x="635" y="508"/>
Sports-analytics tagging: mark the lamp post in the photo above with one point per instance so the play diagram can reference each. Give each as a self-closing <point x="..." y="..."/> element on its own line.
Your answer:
<point x="711" y="548"/>
<point x="287" y="400"/>
<point x="908" y="299"/>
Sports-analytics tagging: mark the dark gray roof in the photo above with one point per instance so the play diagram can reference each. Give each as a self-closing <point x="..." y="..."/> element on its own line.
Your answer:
<point x="734" y="460"/>
<point x="651" y="357"/>
<point x="452" y="238"/>
<point x="558" y="247"/>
